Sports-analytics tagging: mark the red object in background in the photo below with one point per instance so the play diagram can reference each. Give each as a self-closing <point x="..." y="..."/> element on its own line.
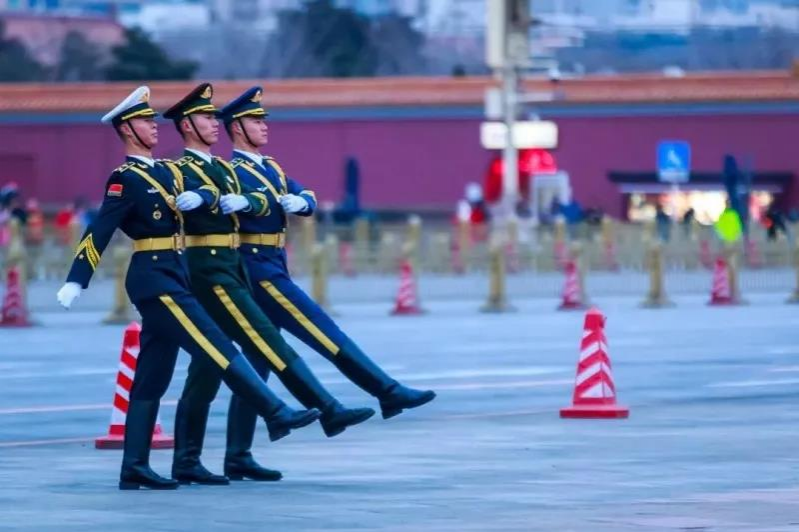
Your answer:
<point x="531" y="162"/>
<point x="63" y="220"/>
<point x="35" y="224"/>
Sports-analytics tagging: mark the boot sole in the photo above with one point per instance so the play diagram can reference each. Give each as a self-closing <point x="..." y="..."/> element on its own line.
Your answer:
<point x="130" y="486"/>
<point x="307" y="420"/>
<point x="335" y="431"/>
<point x="187" y="482"/>
<point x="284" y="431"/>
<point x="391" y="412"/>
<point x="254" y="478"/>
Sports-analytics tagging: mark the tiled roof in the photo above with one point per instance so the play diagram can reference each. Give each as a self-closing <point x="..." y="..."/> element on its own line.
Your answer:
<point x="415" y="91"/>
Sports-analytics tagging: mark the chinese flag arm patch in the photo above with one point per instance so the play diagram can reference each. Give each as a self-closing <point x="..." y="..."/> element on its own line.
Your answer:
<point x="114" y="190"/>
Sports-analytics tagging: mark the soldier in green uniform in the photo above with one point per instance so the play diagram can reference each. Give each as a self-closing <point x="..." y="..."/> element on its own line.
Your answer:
<point x="220" y="283"/>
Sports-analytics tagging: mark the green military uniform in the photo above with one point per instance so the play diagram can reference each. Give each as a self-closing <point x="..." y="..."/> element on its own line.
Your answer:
<point x="220" y="283"/>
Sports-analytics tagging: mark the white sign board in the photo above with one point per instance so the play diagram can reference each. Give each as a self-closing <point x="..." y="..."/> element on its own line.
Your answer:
<point x="530" y="134"/>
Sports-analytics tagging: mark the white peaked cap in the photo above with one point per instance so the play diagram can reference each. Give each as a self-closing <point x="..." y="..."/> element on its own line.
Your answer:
<point x="138" y="96"/>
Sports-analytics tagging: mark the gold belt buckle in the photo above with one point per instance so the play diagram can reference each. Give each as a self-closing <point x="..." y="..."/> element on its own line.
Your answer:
<point x="235" y="241"/>
<point x="281" y="240"/>
<point x="178" y="242"/>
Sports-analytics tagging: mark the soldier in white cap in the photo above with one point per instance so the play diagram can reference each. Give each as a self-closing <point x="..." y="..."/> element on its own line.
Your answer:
<point x="143" y="197"/>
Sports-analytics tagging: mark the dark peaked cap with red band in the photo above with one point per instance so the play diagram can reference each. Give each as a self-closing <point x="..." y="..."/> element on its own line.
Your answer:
<point x="197" y="101"/>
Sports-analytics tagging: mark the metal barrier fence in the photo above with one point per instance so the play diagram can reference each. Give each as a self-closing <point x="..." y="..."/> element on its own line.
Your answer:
<point x="613" y="256"/>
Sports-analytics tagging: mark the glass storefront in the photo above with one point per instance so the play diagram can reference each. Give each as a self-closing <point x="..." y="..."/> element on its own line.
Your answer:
<point x="707" y="204"/>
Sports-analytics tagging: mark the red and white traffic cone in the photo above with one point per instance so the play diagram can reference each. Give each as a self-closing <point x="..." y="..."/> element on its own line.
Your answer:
<point x="345" y="259"/>
<point x="594" y="390"/>
<point x="14" y="312"/>
<point x="407" y="302"/>
<point x="721" y="294"/>
<point x="572" y="293"/>
<point x="754" y="259"/>
<point x="705" y="255"/>
<point x="119" y="411"/>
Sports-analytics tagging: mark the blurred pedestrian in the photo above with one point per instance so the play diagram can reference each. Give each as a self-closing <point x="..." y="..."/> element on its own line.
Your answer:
<point x="663" y="222"/>
<point x="775" y="222"/>
<point x="688" y="220"/>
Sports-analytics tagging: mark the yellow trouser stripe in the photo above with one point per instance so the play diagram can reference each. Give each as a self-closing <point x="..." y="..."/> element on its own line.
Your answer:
<point x="300" y="317"/>
<point x="194" y="332"/>
<point x="245" y="324"/>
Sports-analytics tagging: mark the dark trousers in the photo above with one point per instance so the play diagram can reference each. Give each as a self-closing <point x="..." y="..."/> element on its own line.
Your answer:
<point x="170" y="322"/>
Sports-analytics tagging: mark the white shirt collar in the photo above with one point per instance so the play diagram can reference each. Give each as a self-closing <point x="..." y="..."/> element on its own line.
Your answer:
<point x="146" y="160"/>
<point x="254" y="157"/>
<point x="204" y="156"/>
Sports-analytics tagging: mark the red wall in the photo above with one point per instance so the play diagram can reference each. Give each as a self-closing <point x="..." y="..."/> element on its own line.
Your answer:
<point x="411" y="162"/>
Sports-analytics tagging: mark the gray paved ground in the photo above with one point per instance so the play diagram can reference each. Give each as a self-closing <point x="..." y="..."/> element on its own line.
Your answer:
<point x="711" y="443"/>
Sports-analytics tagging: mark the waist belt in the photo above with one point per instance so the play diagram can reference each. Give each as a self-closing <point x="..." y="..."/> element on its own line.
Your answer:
<point x="161" y="243"/>
<point x="230" y="240"/>
<point x="265" y="239"/>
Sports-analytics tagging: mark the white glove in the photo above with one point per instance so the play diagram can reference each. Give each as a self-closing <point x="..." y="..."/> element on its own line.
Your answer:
<point x="68" y="293"/>
<point x="188" y="201"/>
<point x="293" y="203"/>
<point x="233" y="203"/>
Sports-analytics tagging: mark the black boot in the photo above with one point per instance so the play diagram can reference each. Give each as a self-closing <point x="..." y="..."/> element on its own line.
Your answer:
<point x="393" y="396"/>
<point x="242" y="380"/>
<point x="303" y="384"/>
<point x="136" y="472"/>
<point x="191" y="419"/>
<point x="239" y="463"/>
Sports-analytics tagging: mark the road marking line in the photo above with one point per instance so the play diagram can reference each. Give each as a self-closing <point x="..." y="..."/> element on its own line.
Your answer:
<point x="32" y="443"/>
<point x="752" y="383"/>
<point x="785" y="369"/>
<point x="65" y="408"/>
<point x="502" y="385"/>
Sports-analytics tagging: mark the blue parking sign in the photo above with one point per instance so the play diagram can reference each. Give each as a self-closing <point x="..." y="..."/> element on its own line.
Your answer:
<point x="674" y="161"/>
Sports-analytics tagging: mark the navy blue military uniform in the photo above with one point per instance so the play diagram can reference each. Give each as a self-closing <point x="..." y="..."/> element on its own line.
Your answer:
<point x="140" y="200"/>
<point x="289" y="307"/>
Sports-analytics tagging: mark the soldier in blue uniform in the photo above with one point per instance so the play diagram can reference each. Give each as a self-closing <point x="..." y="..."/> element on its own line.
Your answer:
<point x="141" y="198"/>
<point x="220" y="283"/>
<point x="262" y="246"/>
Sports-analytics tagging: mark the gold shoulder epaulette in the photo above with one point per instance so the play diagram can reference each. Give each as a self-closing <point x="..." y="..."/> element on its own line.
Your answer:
<point x="124" y="167"/>
<point x="237" y="161"/>
<point x="183" y="160"/>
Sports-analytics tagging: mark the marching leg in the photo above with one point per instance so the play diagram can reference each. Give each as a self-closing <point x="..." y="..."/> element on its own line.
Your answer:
<point x="239" y="462"/>
<point x="293" y="310"/>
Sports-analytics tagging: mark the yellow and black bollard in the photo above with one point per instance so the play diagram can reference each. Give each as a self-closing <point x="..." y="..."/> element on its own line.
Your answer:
<point x="361" y="247"/>
<point x="307" y="242"/>
<point x="414" y="240"/>
<point x="497" y="295"/>
<point x="656" y="298"/>
<point x="464" y="247"/>
<point x="731" y="254"/>
<point x="319" y="276"/>
<point x="122" y="313"/>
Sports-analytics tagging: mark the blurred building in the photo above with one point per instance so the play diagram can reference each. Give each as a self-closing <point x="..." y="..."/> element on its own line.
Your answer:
<point x="417" y="142"/>
<point x="43" y="34"/>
